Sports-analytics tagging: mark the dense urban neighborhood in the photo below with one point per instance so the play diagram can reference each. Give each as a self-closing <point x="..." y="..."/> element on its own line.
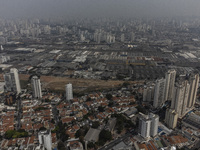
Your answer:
<point x="107" y="84"/>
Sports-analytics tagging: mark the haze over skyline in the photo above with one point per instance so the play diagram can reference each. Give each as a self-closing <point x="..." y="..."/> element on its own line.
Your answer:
<point x="98" y="8"/>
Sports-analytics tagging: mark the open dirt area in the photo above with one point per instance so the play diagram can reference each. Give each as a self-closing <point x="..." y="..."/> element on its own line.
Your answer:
<point x="79" y="85"/>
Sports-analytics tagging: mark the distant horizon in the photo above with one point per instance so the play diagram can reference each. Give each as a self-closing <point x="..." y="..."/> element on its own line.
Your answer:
<point x="70" y="9"/>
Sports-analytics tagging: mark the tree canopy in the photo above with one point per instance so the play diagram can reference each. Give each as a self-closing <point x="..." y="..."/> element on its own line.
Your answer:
<point x="105" y="136"/>
<point x="15" y="134"/>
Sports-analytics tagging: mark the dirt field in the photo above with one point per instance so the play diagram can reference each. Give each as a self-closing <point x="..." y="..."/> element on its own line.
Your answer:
<point x="79" y="85"/>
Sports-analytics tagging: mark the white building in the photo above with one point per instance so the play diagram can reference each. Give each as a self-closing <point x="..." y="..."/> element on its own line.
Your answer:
<point x="12" y="82"/>
<point x="170" y="77"/>
<point x="132" y="36"/>
<point x="159" y="92"/>
<point x="171" y="117"/>
<point x="69" y="92"/>
<point x="185" y="99"/>
<point x="4" y="59"/>
<point x="148" y="93"/>
<point x="1" y="48"/>
<point x="2" y="84"/>
<point x="45" y="139"/>
<point x="122" y="38"/>
<point x="154" y="124"/>
<point x="194" y="82"/>
<point x="180" y="97"/>
<point x="148" y="125"/>
<point x="36" y="87"/>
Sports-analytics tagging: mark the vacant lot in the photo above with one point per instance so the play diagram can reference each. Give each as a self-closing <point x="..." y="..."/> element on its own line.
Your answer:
<point x="79" y="85"/>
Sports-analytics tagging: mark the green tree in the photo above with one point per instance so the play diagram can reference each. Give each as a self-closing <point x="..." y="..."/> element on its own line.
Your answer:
<point x="109" y="96"/>
<point x="78" y="133"/>
<point x="9" y="134"/>
<point x="95" y="124"/>
<point x="101" y="109"/>
<point x="15" y="134"/>
<point x="42" y="129"/>
<point x="61" y="146"/>
<point x="88" y="99"/>
<point x="110" y="104"/>
<point x="105" y="136"/>
<point x="125" y="84"/>
<point x="141" y="109"/>
<point x="81" y="132"/>
<point x="91" y="145"/>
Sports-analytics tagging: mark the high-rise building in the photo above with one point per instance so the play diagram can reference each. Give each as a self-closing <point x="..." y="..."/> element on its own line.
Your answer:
<point x="122" y="38"/>
<point x="69" y="92"/>
<point x="82" y="37"/>
<point x="170" y="77"/>
<point x="154" y="124"/>
<point x="45" y="139"/>
<point x="2" y="84"/>
<point x="12" y="82"/>
<point x="145" y="91"/>
<point x="185" y="99"/>
<point x="148" y="125"/>
<point x="36" y="87"/>
<point x="159" y="93"/>
<point x="144" y="125"/>
<point x="180" y="97"/>
<point x="171" y="118"/>
<point x="148" y="93"/>
<point x="1" y="48"/>
<point x="132" y="36"/>
<point x="194" y="82"/>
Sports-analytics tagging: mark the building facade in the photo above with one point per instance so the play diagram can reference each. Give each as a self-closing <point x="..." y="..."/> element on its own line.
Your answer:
<point x="159" y="93"/>
<point x="36" y="87"/>
<point x="171" y="118"/>
<point x="170" y="77"/>
<point x="45" y="139"/>
<point x="194" y="83"/>
<point x="148" y="125"/>
<point x="69" y="92"/>
<point x="12" y="82"/>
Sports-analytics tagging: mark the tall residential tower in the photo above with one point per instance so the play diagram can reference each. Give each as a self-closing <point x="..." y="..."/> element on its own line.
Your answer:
<point x="36" y="87"/>
<point x="170" y="77"/>
<point x="45" y="139"/>
<point x="148" y="125"/>
<point x="12" y="82"/>
<point x="69" y="92"/>
<point x="159" y="93"/>
<point x="194" y="83"/>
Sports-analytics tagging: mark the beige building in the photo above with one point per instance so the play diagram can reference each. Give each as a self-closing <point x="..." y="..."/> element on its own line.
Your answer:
<point x="171" y="118"/>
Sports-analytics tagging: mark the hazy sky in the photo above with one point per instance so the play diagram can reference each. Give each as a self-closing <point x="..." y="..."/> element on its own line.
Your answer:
<point x="98" y="8"/>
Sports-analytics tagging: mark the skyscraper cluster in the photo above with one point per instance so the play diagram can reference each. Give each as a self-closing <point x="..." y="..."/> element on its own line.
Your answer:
<point x="182" y="94"/>
<point x="183" y="100"/>
<point x="148" y="125"/>
<point x="100" y="35"/>
<point x="162" y="90"/>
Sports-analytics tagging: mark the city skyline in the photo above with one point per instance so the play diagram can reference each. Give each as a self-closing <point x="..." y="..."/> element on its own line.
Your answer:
<point x="108" y="74"/>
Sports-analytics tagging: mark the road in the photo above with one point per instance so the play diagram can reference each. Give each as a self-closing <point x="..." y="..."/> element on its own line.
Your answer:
<point x="55" y="113"/>
<point x="115" y="142"/>
<point x="19" y="111"/>
<point x="196" y="144"/>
